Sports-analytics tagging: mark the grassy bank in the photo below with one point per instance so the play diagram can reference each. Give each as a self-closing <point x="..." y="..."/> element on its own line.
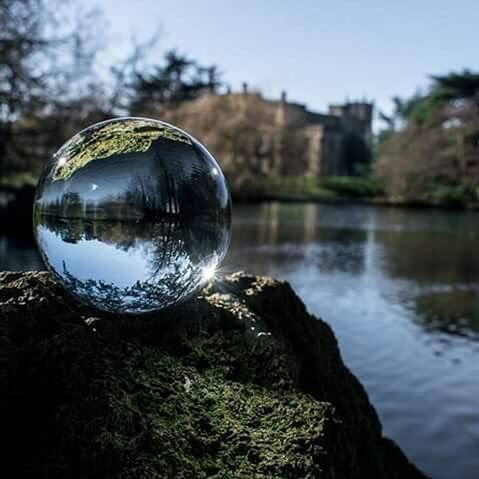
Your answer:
<point x="454" y="196"/>
<point x="348" y="188"/>
<point x="308" y="188"/>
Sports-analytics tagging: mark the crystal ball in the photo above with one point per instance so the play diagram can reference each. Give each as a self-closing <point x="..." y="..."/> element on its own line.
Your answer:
<point x="132" y="215"/>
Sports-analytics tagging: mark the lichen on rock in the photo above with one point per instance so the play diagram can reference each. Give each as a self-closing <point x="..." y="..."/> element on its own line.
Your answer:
<point x="240" y="382"/>
<point x="110" y="138"/>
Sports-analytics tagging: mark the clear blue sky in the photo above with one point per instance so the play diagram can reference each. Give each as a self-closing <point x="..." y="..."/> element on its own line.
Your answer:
<point x="318" y="51"/>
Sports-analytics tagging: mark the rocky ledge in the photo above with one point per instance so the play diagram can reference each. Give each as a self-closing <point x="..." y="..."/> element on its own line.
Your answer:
<point x="240" y="382"/>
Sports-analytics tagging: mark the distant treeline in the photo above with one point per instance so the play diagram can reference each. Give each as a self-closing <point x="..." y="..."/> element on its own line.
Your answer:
<point x="429" y="151"/>
<point x="50" y="88"/>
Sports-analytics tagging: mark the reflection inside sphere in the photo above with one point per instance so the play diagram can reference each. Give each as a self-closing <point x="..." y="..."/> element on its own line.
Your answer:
<point x="132" y="215"/>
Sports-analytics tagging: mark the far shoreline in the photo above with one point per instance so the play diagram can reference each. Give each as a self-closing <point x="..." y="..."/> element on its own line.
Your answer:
<point x="384" y="202"/>
<point x="16" y="202"/>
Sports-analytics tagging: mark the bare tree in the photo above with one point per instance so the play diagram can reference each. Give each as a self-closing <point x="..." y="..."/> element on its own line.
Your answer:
<point x="47" y="79"/>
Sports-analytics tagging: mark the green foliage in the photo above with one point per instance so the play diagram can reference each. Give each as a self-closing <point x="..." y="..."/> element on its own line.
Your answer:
<point x="312" y="188"/>
<point x="423" y="109"/>
<point x="403" y="110"/>
<point x="18" y="180"/>
<point x="178" y="79"/>
<point x="287" y="187"/>
<point x="429" y="150"/>
<point x="454" y="196"/>
<point x="456" y="86"/>
<point x="418" y="110"/>
<point x="352" y="186"/>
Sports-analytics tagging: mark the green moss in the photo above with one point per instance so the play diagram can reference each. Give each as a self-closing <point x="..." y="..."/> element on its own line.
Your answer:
<point x="109" y="139"/>
<point x="200" y="424"/>
<point x="239" y="383"/>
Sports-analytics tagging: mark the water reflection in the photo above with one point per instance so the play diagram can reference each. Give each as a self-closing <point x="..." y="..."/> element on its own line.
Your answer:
<point x="450" y="257"/>
<point x="454" y="312"/>
<point x="401" y="290"/>
<point x="411" y="252"/>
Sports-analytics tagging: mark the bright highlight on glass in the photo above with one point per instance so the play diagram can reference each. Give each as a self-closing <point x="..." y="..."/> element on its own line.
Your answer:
<point x="132" y="215"/>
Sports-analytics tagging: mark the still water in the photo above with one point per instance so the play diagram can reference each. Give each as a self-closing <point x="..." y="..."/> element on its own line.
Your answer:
<point x="401" y="291"/>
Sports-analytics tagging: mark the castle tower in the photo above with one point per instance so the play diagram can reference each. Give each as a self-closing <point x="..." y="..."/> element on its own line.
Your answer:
<point x="356" y="128"/>
<point x="357" y="118"/>
<point x="280" y="119"/>
<point x="280" y="116"/>
<point x="362" y="113"/>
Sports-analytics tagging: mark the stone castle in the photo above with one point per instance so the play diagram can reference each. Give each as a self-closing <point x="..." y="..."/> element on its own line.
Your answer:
<point x="338" y="141"/>
<point x="252" y="135"/>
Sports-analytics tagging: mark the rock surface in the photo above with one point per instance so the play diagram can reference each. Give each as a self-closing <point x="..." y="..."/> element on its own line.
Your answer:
<point x="239" y="383"/>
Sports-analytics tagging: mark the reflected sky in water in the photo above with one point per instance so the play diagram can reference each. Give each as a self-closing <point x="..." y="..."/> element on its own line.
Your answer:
<point x="401" y="290"/>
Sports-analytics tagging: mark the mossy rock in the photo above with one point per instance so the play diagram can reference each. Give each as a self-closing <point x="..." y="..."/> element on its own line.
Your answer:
<point x="240" y="382"/>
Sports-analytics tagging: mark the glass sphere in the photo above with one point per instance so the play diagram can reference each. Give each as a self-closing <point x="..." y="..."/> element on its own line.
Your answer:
<point x="132" y="215"/>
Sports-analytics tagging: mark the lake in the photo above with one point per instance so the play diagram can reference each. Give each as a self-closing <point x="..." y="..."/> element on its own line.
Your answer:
<point x="400" y="288"/>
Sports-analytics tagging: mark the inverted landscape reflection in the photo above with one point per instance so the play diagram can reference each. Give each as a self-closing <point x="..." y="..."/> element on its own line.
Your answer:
<point x="132" y="215"/>
<point x="117" y="266"/>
